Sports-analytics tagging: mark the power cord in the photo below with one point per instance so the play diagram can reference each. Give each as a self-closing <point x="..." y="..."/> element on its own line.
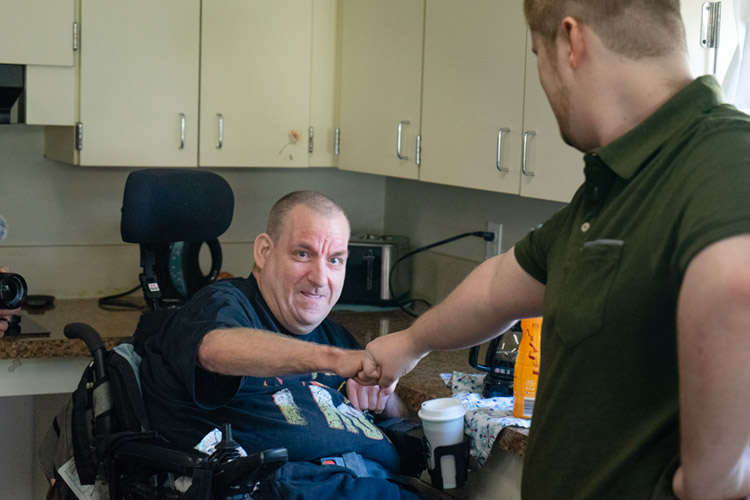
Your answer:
<point x="488" y="236"/>
<point x="111" y="302"/>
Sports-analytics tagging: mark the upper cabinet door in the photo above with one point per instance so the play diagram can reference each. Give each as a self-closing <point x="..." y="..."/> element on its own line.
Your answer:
<point x="381" y="78"/>
<point x="552" y="170"/>
<point x="472" y="113"/>
<point x="255" y="83"/>
<point x="37" y="32"/>
<point x="139" y="82"/>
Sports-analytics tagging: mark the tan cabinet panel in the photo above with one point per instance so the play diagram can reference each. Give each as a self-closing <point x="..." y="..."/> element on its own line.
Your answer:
<point x="473" y="79"/>
<point x="139" y="82"/>
<point x="381" y="77"/>
<point x="37" y="32"/>
<point x="255" y="83"/>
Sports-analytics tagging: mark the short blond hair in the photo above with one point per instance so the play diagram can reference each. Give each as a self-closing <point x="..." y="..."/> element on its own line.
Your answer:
<point x="633" y="28"/>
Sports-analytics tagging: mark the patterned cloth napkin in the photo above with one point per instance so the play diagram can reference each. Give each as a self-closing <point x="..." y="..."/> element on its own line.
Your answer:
<point x="485" y="417"/>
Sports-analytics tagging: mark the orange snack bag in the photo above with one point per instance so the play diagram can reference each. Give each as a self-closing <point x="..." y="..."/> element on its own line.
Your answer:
<point x="526" y="371"/>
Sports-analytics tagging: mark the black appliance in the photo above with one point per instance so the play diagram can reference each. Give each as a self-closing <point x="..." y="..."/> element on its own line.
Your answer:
<point x="370" y="275"/>
<point x="500" y="360"/>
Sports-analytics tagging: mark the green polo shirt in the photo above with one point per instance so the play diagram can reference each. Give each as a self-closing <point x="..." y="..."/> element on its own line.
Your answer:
<point x="605" y="423"/>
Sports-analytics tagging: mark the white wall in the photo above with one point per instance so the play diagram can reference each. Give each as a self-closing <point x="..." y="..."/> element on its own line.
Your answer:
<point x="431" y="212"/>
<point x="64" y="220"/>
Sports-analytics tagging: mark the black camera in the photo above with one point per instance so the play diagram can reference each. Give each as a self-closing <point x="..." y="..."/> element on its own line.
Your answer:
<point x="12" y="290"/>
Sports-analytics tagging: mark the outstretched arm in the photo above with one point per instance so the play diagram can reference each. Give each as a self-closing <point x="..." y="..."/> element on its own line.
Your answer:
<point x="713" y="324"/>
<point x="245" y="351"/>
<point x="486" y="303"/>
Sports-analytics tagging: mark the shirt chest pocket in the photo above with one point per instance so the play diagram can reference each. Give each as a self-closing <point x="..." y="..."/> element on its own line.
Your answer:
<point x="587" y="281"/>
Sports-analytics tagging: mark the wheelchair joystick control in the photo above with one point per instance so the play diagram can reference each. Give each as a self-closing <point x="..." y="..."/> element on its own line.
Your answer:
<point x="227" y="449"/>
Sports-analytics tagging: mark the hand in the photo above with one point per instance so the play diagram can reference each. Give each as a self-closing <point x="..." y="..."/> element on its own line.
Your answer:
<point x="374" y="399"/>
<point x="369" y="397"/>
<point x="391" y="357"/>
<point x="6" y="314"/>
<point x="352" y="363"/>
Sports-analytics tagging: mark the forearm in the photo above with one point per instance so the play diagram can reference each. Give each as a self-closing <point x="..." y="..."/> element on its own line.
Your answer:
<point x="244" y="351"/>
<point x="495" y="295"/>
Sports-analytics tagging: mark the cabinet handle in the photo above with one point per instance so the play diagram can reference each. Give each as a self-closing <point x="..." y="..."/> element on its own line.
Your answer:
<point x="524" y="170"/>
<point x="311" y="136"/>
<point x="500" y="133"/>
<point x="182" y="130"/>
<point x="419" y="151"/>
<point x="221" y="130"/>
<point x="337" y="142"/>
<point x="398" y="140"/>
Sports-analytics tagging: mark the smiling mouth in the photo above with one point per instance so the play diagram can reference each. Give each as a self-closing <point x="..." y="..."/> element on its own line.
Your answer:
<point x="311" y="295"/>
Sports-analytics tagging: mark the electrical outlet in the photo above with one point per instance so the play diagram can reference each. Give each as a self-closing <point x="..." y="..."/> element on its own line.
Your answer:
<point x="495" y="246"/>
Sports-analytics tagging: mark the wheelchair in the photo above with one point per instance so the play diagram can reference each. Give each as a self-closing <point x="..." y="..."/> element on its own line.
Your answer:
<point x="104" y="429"/>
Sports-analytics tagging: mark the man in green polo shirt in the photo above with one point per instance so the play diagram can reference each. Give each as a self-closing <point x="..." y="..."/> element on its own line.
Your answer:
<point x="643" y="279"/>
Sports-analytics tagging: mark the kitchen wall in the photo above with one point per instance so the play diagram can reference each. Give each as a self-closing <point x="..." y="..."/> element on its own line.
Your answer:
<point x="432" y="212"/>
<point x="64" y="220"/>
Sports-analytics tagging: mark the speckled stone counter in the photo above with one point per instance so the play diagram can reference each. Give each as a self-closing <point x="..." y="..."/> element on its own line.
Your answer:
<point x="421" y="384"/>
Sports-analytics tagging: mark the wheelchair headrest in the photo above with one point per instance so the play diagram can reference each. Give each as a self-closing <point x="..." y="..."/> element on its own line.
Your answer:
<point x="163" y="205"/>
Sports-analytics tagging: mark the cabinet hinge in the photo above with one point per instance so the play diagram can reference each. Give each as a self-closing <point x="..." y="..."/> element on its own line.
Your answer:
<point x="710" y="24"/>
<point x="76" y="36"/>
<point x="419" y="150"/>
<point x="79" y="136"/>
<point x="310" y="136"/>
<point x="337" y="142"/>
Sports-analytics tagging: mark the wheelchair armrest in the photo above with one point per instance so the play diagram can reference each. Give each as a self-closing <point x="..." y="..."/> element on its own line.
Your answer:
<point x="159" y="456"/>
<point x="407" y="437"/>
<point x="249" y="469"/>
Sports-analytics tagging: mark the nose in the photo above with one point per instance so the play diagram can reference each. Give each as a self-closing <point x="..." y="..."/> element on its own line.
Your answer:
<point x="317" y="272"/>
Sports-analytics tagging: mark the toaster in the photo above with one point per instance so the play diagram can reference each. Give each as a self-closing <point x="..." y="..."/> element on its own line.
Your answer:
<point x="368" y="270"/>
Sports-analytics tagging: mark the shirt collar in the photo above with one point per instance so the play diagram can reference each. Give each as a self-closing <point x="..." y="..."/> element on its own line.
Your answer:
<point x="628" y="153"/>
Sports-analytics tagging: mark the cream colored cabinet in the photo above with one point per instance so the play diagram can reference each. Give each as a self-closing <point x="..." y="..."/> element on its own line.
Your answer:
<point x="551" y="169"/>
<point x="381" y="77"/>
<point x="255" y="83"/>
<point x="138" y="86"/>
<point x="324" y="82"/>
<point x="260" y="102"/>
<point x="485" y="121"/>
<point x="472" y="113"/>
<point x="38" y="32"/>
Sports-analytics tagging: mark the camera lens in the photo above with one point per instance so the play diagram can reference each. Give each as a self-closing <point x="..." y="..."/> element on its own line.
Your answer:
<point x="12" y="290"/>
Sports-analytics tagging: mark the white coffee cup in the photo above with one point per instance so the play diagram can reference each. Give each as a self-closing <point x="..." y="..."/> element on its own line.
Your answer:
<point x="443" y="424"/>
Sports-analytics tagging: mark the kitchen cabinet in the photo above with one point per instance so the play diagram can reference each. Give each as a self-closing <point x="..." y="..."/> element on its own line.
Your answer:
<point x="39" y="32"/>
<point x="472" y="111"/>
<point x="381" y="78"/>
<point x="138" y="96"/>
<point x="138" y="86"/>
<point x="255" y="83"/>
<point x="484" y="116"/>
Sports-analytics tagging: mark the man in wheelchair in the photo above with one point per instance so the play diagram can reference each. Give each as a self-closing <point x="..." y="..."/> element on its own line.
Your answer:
<point x="260" y="354"/>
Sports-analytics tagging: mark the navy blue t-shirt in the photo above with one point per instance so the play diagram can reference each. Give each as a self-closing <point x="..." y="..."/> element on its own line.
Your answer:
<point x="307" y="414"/>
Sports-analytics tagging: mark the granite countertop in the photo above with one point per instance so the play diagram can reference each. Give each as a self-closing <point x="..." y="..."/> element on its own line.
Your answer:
<point x="421" y="384"/>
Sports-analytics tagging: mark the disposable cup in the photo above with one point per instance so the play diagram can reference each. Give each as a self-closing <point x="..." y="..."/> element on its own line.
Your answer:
<point x="443" y="424"/>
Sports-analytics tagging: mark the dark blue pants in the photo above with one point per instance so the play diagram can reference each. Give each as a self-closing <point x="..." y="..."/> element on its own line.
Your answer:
<point x="308" y="481"/>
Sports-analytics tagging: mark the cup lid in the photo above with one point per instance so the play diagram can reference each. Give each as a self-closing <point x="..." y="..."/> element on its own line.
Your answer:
<point x="440" y="409"/>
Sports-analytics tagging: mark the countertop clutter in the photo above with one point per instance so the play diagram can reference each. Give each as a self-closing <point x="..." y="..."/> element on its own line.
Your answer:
<point x="421" y="384"/>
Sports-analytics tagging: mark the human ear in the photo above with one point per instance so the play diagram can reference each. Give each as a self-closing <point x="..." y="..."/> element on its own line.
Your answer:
<point x="262" y="247"/>
<point x="571" y="41"/>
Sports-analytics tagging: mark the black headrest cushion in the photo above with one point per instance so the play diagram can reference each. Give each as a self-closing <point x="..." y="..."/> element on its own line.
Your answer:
<point x="162" y="205"/>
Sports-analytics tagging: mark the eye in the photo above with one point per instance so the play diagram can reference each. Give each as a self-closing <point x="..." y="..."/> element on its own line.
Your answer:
<point x="301" y="254"/>
<point x="336" y="260"/>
